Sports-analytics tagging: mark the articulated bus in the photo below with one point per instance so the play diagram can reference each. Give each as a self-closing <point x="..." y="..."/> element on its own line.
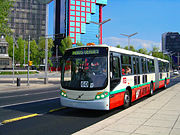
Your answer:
<point x="101" y="77"/>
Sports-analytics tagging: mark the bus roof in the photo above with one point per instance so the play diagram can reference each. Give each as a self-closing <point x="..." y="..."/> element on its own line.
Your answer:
<point x="124" y="51"/>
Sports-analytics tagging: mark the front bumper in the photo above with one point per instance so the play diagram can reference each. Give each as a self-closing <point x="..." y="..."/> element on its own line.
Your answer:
<point x="101" y="104"/>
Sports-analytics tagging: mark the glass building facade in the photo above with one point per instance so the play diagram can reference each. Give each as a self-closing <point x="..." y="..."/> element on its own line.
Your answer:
<point x="171" y="44"/>
<point x="28" y="17"/>
<point x="80" y="13"/>
<point x="76" y="20"/>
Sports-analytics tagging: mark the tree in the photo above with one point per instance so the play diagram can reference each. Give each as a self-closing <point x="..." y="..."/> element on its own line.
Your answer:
<point x="143" y="51"/>
<point x="65" y="44"/>
<point x="41" y="48"/>
<point x="34" y="53"/>
<point x="132" y="48"/>
<point x="19" y="52"/>
<point x="5" y="6"/>
<point x="9" y="39"/>
<point x="118" y="46"/>
<point x="79" y="44"/>
<point x="126" y="47"/>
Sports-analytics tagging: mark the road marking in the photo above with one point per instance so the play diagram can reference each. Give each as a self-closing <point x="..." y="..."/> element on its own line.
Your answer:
<point x="28" y="94"/>
<point x="54" y="110"/>
<point x="3" y="106"/>
<point x="28" y="116"/>
<point x="19" y="118"/>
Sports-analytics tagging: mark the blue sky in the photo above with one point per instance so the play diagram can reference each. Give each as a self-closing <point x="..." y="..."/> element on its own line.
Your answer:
<point x="150" y="18"/>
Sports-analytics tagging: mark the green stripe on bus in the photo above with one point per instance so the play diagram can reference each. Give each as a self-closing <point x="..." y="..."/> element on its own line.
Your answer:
<point x="117" y="91"/>
<point x="136" y="86"/>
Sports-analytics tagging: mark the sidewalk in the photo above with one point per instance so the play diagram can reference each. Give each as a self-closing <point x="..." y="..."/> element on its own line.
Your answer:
<point x="157" y="115"/>
<point x="6" y="84"/>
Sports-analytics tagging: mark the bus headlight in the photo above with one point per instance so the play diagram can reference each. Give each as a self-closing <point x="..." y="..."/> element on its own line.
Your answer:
<point x="63" y="93"/>
<point x="101" y="95"/>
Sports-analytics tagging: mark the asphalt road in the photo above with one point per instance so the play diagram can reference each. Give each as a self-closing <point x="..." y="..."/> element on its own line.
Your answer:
<point x="41" y="101"/>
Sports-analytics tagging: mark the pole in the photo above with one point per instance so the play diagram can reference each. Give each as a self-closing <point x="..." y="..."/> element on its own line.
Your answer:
<point x="178" y="61"/>
<point x="24" y="55"/>
<point x="99" y="37"/>
<point x="128" y="43"/>
<point x="28" y="60"/>
<point x="46" y="47"/>
<point x="13" y="59"/>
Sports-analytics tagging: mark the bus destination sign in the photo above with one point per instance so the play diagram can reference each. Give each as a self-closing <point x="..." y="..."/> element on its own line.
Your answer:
<point x="85" y="52"/>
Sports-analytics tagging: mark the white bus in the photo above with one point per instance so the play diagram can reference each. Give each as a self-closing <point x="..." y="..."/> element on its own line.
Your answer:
<point x="101" y="77"/>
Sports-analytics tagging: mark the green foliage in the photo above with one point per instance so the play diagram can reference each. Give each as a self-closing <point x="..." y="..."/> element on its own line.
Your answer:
<point x="65" y="44"/>
<point x="118" y="46"/>
<point x="126" y="47"/>
<point x="143" y="51"/>
<point x="37" y="52"/>
<point x="79" y="44"/>
<point x="42" y="48"/>
<point x="131" y="48"/>
<point x="5" y="6"/>
<point x="9" y="39"/>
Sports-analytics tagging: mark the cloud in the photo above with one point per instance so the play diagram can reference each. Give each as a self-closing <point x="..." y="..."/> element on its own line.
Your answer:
<point x="137" y="43"/>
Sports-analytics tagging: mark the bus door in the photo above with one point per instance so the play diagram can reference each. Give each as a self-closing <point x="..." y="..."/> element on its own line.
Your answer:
<point x="144" y="71"/>
<point x="136" y="70"/>
<point x="115" y="75"/>
<point x="156" y="73"/>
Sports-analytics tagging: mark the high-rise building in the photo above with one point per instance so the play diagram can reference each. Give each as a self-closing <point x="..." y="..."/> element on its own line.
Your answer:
<point x="73" y="19"/>
<point x="171" y="44"/>
<point x="28" y="17"/>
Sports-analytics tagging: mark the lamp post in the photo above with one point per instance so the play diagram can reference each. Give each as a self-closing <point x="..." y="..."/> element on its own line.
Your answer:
<point x="46" y="38"/>
<point x="99" y="29"/>
<point x="14" y="43"/>
<point x="170" y="53"/>
<point x="129" y="38"/>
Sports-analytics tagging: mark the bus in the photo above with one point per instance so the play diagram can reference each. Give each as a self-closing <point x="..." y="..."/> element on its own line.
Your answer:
<point x="101" y="77"/>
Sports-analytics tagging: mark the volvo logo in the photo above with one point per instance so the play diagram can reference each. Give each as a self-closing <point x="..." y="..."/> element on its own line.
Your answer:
<point x="79" y="96"/>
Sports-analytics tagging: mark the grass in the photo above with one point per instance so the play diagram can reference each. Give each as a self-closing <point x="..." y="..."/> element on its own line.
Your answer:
<point x="18" y="73"/>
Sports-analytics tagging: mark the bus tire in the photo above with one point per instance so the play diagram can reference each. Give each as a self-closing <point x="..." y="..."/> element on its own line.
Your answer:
<point x="165" y="84"/>
<point x="127" y="99"/>
<point x="151" y="90"/>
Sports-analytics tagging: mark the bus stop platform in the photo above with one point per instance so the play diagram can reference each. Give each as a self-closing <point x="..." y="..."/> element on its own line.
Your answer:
<point x="157" y="115"/>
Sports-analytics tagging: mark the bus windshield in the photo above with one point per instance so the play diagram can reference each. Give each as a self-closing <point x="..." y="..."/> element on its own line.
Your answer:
<point x="84" y="72"/>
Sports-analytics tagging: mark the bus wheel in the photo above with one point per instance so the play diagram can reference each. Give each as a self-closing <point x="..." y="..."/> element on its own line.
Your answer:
<point x="165" y="84"/>
<point x="127" y="99"/>
<point x="151" y="90"/>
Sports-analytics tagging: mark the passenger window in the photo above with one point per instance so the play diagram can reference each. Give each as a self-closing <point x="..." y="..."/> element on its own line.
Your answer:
<point x="126" y="65"/>
<point x="116" y="67"/>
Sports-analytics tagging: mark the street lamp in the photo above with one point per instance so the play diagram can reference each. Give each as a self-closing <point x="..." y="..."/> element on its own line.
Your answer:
<point x="99" y="31"/>
<point x="129" y="38"/>
<point x="14" y="43"/>
<point x="170" y="53"/>
<point x="46" y="38"/>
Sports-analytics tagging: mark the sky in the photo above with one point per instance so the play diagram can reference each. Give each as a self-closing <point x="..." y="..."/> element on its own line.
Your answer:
<point x="150" y="18"/>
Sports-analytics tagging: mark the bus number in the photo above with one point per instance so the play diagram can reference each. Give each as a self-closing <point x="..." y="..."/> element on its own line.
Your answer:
<point x="84" y="84"/>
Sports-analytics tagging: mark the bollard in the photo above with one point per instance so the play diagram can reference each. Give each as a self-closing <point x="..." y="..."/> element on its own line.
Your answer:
<point x="18" y="81"/>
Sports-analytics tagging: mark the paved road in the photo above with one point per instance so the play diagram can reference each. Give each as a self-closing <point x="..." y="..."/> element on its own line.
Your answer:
<point x="64" y="121"/>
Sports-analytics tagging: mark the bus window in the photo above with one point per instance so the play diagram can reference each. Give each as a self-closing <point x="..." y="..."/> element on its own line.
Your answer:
<point x="116" y="68"/>
<point x="126" y="65"/>
<point x="142" y="65"/>
<point x="160" y="66"/>
<point x="150" y="65"/>
<point x="137" y="63"/>
<point x="134" y="65"/>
